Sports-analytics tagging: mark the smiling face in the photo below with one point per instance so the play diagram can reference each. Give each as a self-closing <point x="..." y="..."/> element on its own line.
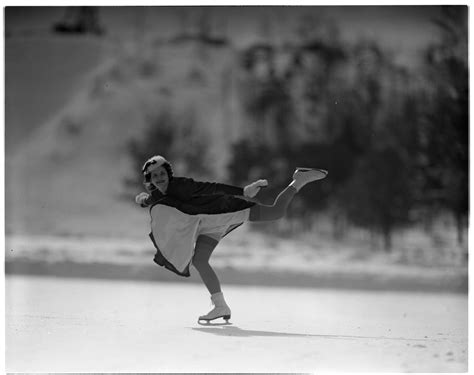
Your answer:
<point x="159" y="178"/>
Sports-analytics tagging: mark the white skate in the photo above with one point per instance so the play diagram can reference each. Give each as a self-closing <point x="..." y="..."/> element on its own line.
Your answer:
<point x="302" y="176"/>
<point x="220" y="310"/>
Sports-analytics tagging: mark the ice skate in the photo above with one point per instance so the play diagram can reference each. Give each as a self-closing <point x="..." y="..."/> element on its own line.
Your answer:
<point x="220" y="310"/>
<point x="302" y="176"/>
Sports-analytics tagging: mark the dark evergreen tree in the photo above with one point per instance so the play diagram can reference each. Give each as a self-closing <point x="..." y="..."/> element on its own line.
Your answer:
<point x="446" y="127"/>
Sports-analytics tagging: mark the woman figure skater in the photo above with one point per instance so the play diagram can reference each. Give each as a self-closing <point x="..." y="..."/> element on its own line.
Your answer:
<point x="189" y="218"/>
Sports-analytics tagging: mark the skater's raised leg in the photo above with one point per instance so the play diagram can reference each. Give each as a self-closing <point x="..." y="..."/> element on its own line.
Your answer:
<point x="263" y="212"/>
<point x="302" y="176"/>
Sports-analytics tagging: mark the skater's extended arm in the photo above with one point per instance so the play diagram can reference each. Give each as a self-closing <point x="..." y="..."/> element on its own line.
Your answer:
<point x="186" y="187"/>
<point x="183" y="188"/>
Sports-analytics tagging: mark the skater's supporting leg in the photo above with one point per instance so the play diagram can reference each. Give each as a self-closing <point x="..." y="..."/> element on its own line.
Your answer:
<point x="262" y="212"/>
<point x="204" y="247"/>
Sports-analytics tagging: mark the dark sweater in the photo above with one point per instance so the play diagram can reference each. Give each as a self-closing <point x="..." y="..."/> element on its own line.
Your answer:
<point x="194" y="197"/>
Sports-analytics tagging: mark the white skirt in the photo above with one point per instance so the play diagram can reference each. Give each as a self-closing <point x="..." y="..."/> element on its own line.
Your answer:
<point x="175" y="232"/>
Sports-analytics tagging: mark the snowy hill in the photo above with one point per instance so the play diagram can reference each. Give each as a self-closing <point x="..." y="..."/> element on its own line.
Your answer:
<point x="66" y="176"/>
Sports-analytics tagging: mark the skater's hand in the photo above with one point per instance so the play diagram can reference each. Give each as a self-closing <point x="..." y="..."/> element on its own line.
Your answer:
<point x="140" y="198"/>
<point x="252" y="190"/>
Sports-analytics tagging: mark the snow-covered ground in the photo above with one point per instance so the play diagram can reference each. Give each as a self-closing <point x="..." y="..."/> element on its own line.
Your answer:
<point x="74" y="325"/>
<point x="323" y="263"/>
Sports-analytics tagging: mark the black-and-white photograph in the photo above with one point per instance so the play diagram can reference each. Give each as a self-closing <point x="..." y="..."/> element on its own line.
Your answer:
<point x="236" y="188"/>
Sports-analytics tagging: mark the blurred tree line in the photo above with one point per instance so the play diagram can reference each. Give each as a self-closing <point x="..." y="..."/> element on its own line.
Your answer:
<point x="175" y="137"/>
<point x="395" y="141"/>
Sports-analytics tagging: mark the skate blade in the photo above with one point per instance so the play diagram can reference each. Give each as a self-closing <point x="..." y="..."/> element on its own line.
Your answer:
<point x="211" y="322"/>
